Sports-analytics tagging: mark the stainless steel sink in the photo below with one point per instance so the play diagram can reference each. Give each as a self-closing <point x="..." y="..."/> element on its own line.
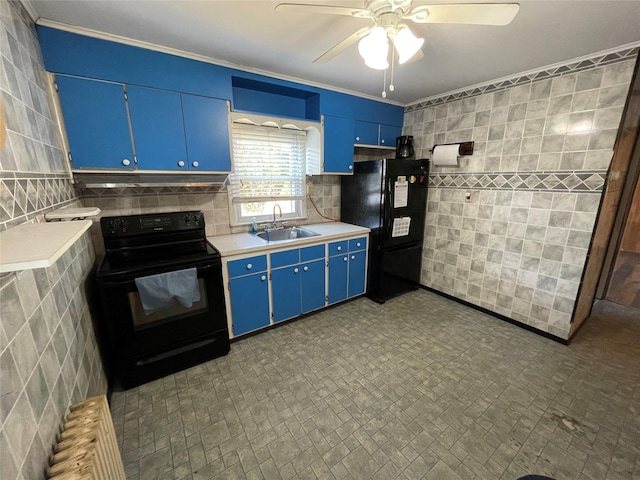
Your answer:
<point x="287" y="233"/>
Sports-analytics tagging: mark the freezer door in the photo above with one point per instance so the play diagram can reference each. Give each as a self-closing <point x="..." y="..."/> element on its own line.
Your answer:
<point x="404" y="202"/>
<point x="393" y="272"/>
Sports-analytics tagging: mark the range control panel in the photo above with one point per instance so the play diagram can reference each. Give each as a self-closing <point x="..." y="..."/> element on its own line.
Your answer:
<point x="151" y="223"/>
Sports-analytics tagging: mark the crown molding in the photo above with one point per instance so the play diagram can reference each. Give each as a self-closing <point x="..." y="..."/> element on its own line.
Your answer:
<point x="534" y="71"/>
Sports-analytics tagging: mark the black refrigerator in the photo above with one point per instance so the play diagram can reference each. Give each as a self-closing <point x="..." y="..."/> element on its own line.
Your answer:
<point x="390" y="197"/>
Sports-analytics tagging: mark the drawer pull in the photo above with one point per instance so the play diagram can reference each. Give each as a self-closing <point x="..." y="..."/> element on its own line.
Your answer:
<point x="353" y="257"/>
<point x="358" y="244"/>
<point x="195" y="164"/>
<point x="306" y="269"/>
<point x="126" y="162"/>
<point x="339" y="248"/>
<point x="295" y="270"/>
<point x="181" y="163"/>
<point x="345" y="259"/>
<point x="249" y="266"/>
<point x="263" y="278"/>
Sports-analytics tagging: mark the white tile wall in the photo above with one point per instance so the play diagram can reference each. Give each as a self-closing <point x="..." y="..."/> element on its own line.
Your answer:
<point x="48" y="352"/>
<point x="542" y="149"/>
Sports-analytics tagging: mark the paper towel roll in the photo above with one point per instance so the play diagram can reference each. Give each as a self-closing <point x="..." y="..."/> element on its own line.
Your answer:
<point x="446" y="155"/>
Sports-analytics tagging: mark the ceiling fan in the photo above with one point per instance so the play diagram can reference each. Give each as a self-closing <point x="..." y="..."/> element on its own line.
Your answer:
<point x="389" y="17"/>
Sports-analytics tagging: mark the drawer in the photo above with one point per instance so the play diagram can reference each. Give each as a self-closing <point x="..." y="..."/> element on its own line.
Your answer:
<point x="358" y="244"/>
<point x="311" y="253"/>
<point x="337" y="248"/>
<point x="282" y="259"/>
<point x="246" y="266"/>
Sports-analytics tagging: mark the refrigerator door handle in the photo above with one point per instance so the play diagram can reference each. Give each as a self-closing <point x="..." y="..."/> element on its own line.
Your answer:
<point x="388" y="211"/>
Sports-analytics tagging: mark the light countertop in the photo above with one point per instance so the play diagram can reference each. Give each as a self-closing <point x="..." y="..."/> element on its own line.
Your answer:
<point x="38" y="245"/>
<point x="242" y="243"/>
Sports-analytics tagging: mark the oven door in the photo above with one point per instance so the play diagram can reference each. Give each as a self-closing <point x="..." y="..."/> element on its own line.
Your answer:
<point x="134" y="334"/>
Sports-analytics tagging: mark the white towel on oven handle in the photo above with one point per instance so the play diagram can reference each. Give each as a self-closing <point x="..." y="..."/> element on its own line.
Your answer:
<point x="163" y="290"/>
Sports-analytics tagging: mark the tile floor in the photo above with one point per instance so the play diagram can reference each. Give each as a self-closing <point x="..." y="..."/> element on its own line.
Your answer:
<point x="420" y="387"/>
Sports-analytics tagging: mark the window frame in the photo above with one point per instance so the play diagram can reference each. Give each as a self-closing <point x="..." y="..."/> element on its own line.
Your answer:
<point x="298" y="210"/>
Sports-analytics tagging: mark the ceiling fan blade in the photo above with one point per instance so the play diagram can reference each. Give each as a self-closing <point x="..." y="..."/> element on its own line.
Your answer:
<point x="327" y="9"/>
<point x="466" y="13"/>
<point x="338" y="48"/>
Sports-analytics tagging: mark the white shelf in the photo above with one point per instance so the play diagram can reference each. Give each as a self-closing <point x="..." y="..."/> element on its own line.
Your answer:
<point x="38" y="245"/>
<point x="68" y="213"/>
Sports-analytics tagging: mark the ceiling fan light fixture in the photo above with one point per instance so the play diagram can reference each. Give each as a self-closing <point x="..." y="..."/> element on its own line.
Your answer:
<point x="406" y="43"/>
<point x="374" y="49"/>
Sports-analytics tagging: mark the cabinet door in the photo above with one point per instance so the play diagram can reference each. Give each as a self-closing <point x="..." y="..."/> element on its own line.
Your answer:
<point x="338" y="278"/>
<point x="388" y="135"/>
<point x="357" y="267"/>
<point x="285" y="292"/>
<point x="313" y="295"/>
<point x="95" y="117"/>
<point x="206" y="127"/>
<point x="158" y="129"/>
<point x="338" y="145"/>
<point x="366" y="133"/>
<point x="249" y="302"/>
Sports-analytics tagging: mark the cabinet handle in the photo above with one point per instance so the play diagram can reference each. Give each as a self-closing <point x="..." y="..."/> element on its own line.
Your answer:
<point x="339" y="248"/>
<point x="358" y="244"/>
<point x="263" y="278"/>
<point x="345" y="259"/>
<point x="249" y="266"/>
<point x="195" y="164"/>
<point x="382" y="141"/>
<point x="350" y="167"/>
<point x="126" y="162"/>
<point x="306" y="269"/>
<point x="181" y="163"/>
<point x="353" y="257"/>
<point x="295" y="270"/>
<point x="357" y="139"/>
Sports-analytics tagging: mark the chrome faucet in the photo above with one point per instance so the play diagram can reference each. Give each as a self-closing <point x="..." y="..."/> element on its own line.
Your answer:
<point x="275" y="225"/>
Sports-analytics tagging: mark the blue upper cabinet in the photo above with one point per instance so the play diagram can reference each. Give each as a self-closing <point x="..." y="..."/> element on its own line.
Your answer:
<point x="95" y="116"/>
<point x="338" y="144"/>
<point x="388" y="135"/>
<point x="83" y="56"/>
<point x="158" y="129"/>
<point x="156" y="122"/>
<point x="366" y="133"/>
<point x="206" y="128"/>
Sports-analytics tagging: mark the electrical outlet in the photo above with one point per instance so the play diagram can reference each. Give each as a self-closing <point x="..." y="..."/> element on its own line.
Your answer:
<point x="468" y="196"/>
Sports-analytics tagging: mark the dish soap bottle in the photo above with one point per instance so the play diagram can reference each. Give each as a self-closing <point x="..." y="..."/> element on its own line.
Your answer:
<point x="254" y="226"/>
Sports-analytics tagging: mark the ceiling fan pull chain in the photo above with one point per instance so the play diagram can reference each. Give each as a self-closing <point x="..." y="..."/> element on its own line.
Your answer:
<point x="384" y="85"/>
<point x="393" y="60"/>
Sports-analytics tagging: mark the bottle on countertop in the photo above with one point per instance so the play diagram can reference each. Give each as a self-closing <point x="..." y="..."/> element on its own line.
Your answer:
<point x="254" y="226"/>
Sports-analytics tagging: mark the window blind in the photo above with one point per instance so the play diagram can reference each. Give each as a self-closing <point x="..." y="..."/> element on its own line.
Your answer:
<point x="269" y="163"/>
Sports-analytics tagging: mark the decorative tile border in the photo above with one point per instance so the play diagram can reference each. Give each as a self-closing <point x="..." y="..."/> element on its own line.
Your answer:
<point x="569" y="181"/>
<point x="144" y="191"/>
<point x="26" y="193"/>
<point x="597" y="61"/>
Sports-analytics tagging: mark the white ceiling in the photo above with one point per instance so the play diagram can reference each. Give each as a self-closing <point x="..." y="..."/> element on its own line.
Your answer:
<point x="251" y="34"/>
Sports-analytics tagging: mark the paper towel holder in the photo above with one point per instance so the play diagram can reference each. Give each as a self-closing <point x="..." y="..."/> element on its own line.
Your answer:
<point x="465" y="148"/>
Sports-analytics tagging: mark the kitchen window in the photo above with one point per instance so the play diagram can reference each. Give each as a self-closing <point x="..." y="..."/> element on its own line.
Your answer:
<point x="269" y="167"/>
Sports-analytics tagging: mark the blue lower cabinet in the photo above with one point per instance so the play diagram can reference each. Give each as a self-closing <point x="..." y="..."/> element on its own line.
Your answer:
<point x="338" y="268"/>
<point x="285" y="292"/>
<point x="312" y="281"/>
<point x="249" y="302"/>
<point x="357" y="268"/>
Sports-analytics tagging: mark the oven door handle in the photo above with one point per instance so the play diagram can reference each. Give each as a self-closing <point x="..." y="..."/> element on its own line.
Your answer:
<point x="130" y="278"/>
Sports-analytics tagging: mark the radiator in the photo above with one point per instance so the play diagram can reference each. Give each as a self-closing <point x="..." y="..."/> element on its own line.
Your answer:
<point x="87" y="449"/>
